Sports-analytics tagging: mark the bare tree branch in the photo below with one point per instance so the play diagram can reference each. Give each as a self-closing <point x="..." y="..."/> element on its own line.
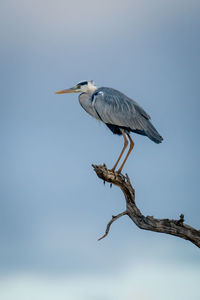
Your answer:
<point x="114" y="218"/>
<point x="169" y="226"/>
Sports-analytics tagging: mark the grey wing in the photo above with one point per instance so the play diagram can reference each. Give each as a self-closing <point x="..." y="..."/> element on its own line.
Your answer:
<point x="115" y="108"/>
<point x="140" y="110"/>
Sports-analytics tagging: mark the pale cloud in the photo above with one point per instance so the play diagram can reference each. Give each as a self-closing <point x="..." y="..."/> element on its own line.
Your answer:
<point x="141" y="281"/>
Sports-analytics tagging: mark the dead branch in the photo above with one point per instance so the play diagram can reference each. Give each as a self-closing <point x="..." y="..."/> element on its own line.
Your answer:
<point x="114" y="218"/>
<point x="168" y="226"/>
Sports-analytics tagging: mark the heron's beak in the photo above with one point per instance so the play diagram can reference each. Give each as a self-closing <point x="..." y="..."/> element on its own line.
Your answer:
<point x="71" y="90"/>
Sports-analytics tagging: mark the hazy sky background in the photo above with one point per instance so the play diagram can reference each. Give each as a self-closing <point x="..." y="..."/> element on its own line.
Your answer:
<point x="52" y="205"/>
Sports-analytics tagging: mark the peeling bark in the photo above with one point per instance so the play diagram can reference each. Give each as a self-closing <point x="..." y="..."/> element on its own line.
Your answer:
<point x="168" y="226"/>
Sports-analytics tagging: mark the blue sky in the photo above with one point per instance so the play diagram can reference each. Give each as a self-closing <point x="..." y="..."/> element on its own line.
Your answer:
<point x="52" y="206"/>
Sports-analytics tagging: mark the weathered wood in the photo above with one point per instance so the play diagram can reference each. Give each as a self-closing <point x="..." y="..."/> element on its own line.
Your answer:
<point x="169" y="226"/>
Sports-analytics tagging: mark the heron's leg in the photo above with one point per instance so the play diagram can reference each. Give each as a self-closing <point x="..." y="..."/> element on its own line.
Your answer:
<point x="125" y="145"/>
<point x="129" y="151"/>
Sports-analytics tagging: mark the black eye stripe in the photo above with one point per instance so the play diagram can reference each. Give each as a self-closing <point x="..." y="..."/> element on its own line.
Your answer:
<point x="83" y="83"/>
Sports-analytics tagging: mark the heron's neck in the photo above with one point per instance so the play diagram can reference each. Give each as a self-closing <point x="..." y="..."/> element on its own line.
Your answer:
<point x="91" y="88"/>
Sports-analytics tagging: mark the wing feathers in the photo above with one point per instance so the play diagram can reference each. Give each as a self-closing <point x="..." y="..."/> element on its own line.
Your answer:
<point x="115" y="108"/>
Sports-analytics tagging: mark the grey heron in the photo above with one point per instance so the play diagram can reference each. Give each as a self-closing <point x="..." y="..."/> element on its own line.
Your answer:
<point x="120" y="114"/>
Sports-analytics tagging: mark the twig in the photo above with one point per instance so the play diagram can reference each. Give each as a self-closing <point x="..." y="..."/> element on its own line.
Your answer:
<point x="114" y="218"/>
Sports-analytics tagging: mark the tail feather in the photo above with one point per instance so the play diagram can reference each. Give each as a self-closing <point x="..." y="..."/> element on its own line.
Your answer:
<point x="152" y="133"/>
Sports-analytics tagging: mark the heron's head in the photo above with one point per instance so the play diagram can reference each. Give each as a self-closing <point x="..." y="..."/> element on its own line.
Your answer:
<point x="81" y="87"/>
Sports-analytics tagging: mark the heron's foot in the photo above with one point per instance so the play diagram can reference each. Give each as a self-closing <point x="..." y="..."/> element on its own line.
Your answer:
<point x="114" y="171"/>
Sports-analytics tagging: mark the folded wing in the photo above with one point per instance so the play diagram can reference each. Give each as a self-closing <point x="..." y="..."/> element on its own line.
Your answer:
<point x="113" y="107"/>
